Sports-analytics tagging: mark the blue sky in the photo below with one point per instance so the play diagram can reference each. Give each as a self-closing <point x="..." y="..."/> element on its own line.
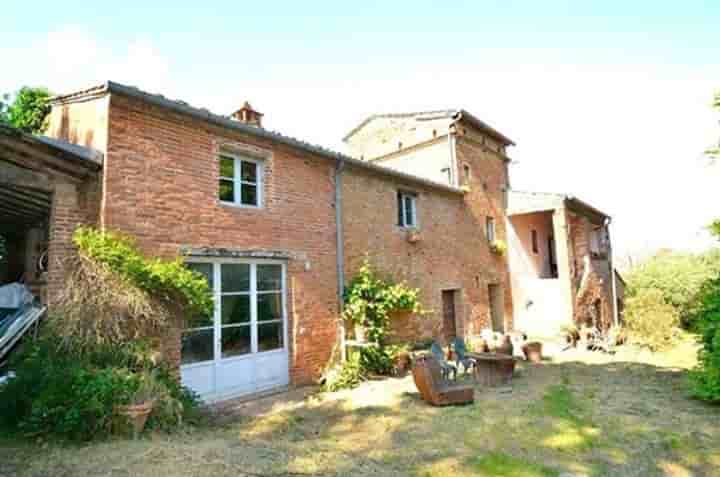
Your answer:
<point x="607" y="100"/>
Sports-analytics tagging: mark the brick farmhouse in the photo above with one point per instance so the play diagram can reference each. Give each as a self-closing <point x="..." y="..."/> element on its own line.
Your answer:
<point x="279" y="226"/>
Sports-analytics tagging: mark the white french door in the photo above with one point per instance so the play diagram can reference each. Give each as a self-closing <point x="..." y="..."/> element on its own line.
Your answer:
<point x="242" y="347"/>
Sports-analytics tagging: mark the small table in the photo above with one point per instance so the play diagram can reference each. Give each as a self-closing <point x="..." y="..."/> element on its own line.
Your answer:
<point x="492" y="369"/>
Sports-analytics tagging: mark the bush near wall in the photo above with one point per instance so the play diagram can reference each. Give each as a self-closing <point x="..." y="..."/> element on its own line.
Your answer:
<point x="679" y="277"/>
<point x="650" y="320"/>
<point x="94" y="355"/>
<point x="705" y="380"/>
<point x="67" y="395"/>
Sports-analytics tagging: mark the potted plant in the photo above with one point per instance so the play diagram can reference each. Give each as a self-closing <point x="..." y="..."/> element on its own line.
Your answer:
<point x="141" y="402"/>
<point x="498" y="247"/>
<point x="533" y="351"/>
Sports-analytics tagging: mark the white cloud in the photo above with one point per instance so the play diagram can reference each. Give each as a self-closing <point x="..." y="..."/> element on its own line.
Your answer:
<point x="72" y="58"/>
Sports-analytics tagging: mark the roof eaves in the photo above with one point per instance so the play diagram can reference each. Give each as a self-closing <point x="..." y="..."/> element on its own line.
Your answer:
<point x="444" y="112"/>
<point x="463" y="114"/>
<point x="206" y="115"/>
<point x="81" y="155"/>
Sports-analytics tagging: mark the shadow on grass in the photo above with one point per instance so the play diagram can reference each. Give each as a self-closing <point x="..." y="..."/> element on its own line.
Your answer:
<point x="597" y="419"/>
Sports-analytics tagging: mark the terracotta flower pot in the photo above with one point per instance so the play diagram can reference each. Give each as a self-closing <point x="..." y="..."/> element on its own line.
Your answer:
<point x="402" y="362"/>
<point x="137" y="415"/>
<point x="533" y="351"/>
<point x="506" y="347"/>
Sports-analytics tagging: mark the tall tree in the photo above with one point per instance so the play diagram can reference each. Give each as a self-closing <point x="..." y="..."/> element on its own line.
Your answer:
<point x="28" y="109"/>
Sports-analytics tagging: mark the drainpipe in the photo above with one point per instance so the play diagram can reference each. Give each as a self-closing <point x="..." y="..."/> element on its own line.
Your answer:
<point x="612" y="273"/>
<point x="340" y="251"/>
<point x="453" y="158"/>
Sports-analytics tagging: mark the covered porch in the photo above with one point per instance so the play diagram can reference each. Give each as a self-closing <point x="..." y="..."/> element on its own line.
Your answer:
<point x="47" y="188"/>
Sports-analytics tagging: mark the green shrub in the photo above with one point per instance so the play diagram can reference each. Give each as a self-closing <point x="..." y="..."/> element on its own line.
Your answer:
<point x="369" y="300"/>
<point x="72" y="396"/>
<point x="380" y="359"/>
<point x="650" y="320"/>
<point x="346" y="375"/>
<point x="678" y="276"/>
<point x="164" y="279"/>
<point x="705" y="379"/>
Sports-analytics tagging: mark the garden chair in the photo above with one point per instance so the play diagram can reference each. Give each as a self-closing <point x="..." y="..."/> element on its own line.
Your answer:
<point x="445" y="366"/>
<point x="434" y="388"/>
<point x="461" y="356"/>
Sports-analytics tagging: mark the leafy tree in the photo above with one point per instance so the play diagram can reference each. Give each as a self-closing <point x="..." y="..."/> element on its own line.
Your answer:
<point x="678" y="277"/>
<point x="28" y="109"/>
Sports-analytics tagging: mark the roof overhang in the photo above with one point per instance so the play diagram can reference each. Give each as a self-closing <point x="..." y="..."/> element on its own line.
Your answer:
<point x="29" y="167"/>
<point x="520" y="203"/>
<point x="463" y="115"/>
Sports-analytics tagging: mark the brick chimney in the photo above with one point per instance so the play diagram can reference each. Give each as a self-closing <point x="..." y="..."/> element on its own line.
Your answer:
<point x="248" y="115"/>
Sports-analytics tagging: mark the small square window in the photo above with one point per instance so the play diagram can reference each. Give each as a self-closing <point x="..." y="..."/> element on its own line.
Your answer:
<point x="407" y="209"/>
<point x="490" y="228"/>
<point x="240" y="181"/>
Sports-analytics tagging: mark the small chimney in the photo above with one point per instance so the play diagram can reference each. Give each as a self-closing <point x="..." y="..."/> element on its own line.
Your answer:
<point x="248" y="115"/>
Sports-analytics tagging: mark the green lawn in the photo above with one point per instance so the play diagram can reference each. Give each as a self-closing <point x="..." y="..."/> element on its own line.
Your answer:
<point x="585" y="413"/>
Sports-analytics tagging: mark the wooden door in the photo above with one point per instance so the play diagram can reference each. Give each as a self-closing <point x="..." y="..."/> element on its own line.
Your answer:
<point x="448" y="302"/>
<point x="496" y="308"/>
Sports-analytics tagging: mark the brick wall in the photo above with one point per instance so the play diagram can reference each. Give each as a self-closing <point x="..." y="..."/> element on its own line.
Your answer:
<point x="161" y="186"/>
<point x="452" y="252"/>
<point x="488" y="182"/>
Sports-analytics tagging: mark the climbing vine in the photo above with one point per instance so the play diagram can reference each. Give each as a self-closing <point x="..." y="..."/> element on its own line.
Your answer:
<point x="369" y="300"/>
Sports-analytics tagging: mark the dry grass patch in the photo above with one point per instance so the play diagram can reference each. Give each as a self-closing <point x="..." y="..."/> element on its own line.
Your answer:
<point x="584" y="412"/>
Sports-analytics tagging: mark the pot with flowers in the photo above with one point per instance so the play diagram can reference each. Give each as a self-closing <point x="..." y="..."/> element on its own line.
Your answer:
<point x="141" y="402"/>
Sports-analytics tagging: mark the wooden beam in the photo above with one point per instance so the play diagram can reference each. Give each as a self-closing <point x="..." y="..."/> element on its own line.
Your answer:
<point x="38" y="156"/>
<point x="25" y="197"/>
<point x="22" y="204"/>
<point x="11" y="173"/>
<point x="31" y="191"/>
<point x="22" y="217"/>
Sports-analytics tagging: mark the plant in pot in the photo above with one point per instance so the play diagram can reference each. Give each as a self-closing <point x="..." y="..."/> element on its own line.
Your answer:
<point x="533" y="351"/>
<point x="142" y="401"/>
<point x="498" y="247"/>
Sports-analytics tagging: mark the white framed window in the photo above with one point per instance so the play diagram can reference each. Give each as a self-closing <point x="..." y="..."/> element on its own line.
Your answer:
<point x="249" y="316"/>
<point x="407" y="209"/>
<point x="490" y="228"/>
<point x="240" y="180"/>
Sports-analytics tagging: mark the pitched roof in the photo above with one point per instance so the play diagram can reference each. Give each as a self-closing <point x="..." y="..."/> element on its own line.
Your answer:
<point x="205" y="115"/>
<point x="74" y="153"/>
<point x="455" y="114"/>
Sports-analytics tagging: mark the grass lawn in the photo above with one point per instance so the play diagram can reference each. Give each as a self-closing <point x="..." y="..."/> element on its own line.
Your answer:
<point x="583" y="413"/>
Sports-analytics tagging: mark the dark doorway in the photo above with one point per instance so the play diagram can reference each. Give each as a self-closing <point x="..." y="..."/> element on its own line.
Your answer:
<point x="496" y="308"/>
<point x="448" y="303"/>
<point x="551" y="257"/>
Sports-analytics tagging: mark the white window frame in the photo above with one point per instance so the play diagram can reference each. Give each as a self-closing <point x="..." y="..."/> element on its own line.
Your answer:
<point x="403" y="209"/>
<point x="253" y="323"/>
<point x="238" y="182"/>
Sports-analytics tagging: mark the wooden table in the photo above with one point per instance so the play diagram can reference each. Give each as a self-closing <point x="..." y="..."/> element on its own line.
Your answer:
<point x="492" y="369"/>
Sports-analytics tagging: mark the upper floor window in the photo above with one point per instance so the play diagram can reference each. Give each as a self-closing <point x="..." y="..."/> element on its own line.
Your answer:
<point x="466" y="173"/>
<point x="240" y="181"/>
<point x="534" y="238"/>
<point x="407" y="209"/>
<point x="490" y="228"/>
